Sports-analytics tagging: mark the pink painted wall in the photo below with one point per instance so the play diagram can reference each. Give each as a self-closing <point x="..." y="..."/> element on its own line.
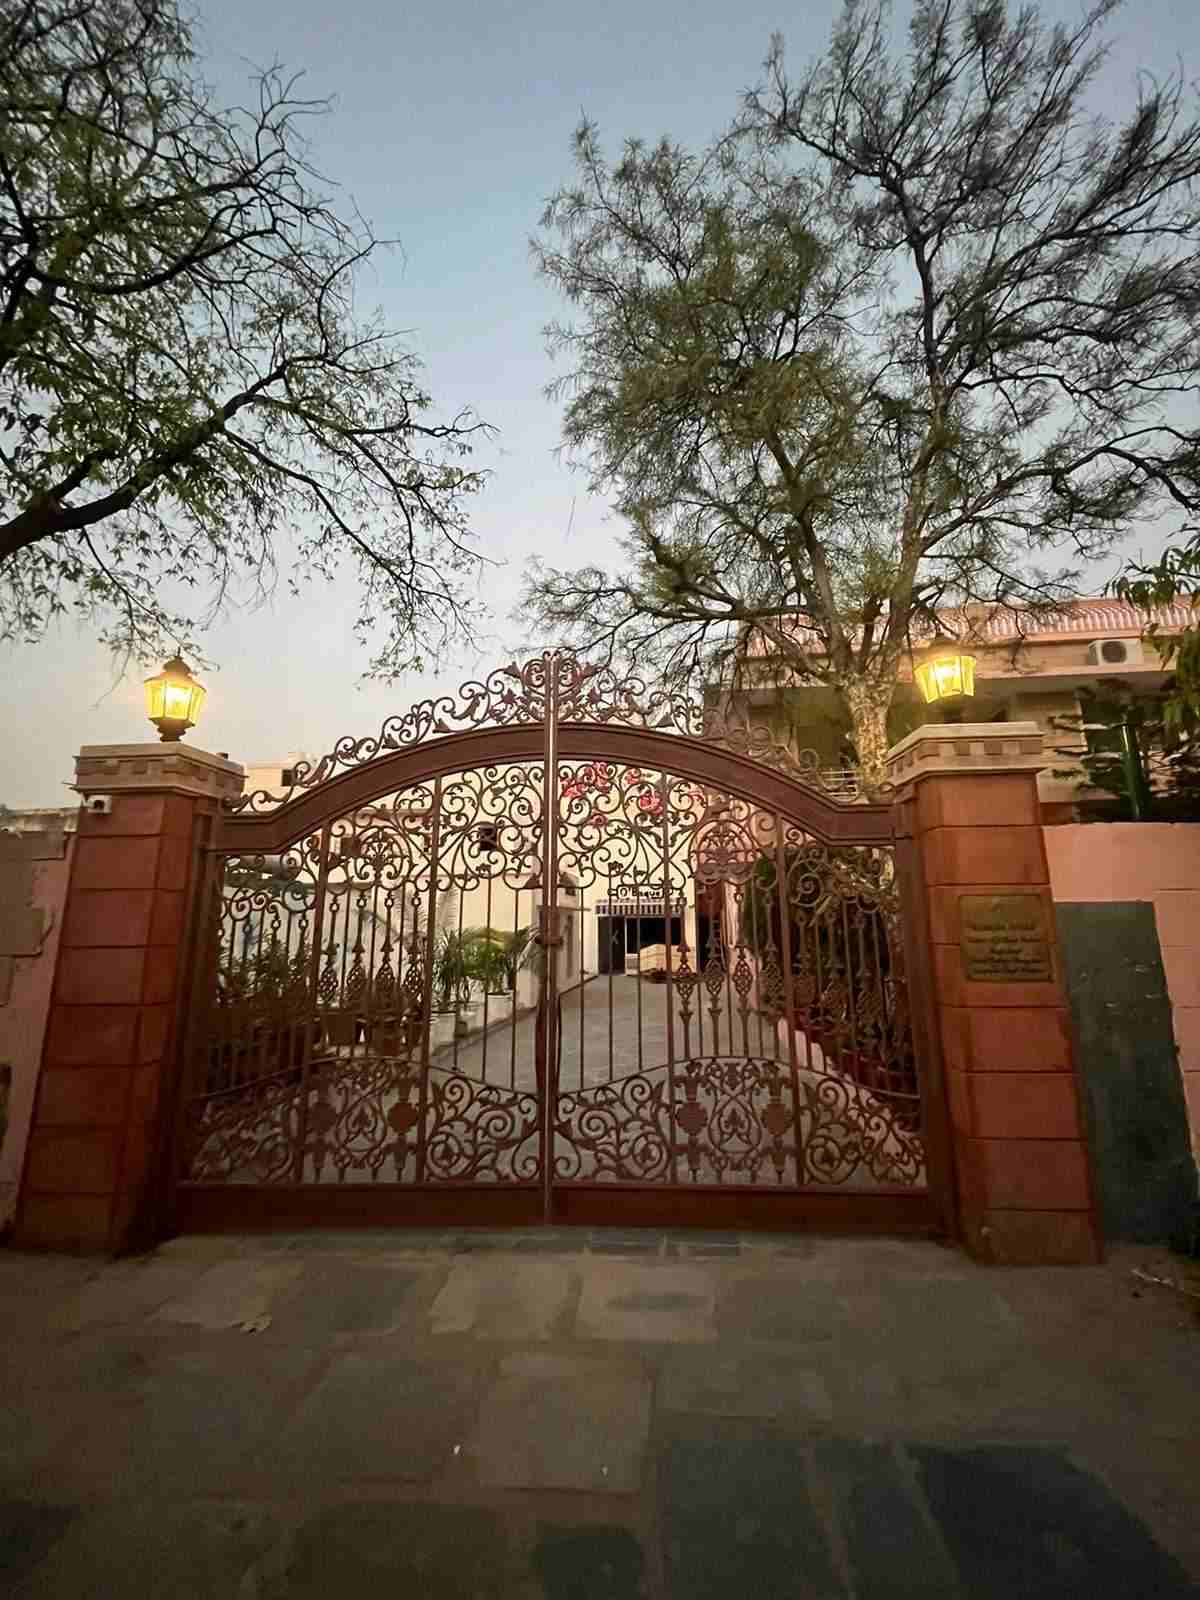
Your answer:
<point x="1159" y="862"/>
<point x="23" y="1020"/>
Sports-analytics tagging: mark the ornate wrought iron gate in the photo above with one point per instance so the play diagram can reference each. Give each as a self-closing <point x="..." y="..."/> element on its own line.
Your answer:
<point x="396" y="1013"/>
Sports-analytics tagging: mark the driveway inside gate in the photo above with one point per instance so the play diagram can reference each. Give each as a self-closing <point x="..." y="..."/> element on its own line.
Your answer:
<point x="614" y="1027"/>
<point x="602" y="1023"/>
<point x="594" y="1417"/>
<point x="611" y="1027"/>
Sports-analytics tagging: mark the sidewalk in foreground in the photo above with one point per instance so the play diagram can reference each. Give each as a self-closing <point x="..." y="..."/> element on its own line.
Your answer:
<point x="594" y="1417"/>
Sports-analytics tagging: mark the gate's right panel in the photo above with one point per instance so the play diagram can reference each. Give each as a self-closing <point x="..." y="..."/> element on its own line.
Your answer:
<point x="746" y="1051"/>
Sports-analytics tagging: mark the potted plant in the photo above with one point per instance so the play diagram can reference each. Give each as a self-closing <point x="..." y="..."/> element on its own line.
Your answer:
<point x="262" y="1001"/>
<point x="454" y="972"/>
<point x="497" y="957"/>
<point x="486" y="956"/>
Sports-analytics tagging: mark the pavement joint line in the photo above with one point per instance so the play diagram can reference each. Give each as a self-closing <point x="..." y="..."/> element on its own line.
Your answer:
<point x="1129" y="1345"/>
<point x="906" y="1467"/>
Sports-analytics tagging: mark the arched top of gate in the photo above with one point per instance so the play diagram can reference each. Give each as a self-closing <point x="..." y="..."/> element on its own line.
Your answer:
<point x="506" y="716"/>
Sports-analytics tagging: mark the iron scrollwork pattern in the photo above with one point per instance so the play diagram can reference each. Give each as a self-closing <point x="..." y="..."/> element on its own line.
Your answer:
<point x="323" y="1057"/>
<point x="791" y="1059"/>
<point x="375" y="996"/>
<point x="506" y="697"/>
<point x="517" y="695"/>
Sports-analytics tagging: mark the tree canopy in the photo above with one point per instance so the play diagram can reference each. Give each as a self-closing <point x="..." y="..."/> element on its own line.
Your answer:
<point x="190" y="394"/>
<point x="902" y="338"/>
<point x="1175" y="576"/>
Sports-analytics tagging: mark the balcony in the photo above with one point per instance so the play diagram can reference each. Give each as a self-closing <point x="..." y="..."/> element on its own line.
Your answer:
<point x="840" y="783"/>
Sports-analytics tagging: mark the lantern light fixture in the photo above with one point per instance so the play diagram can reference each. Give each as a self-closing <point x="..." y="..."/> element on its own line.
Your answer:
<point x="173" y="700"/>
<point x="945" y="674"/>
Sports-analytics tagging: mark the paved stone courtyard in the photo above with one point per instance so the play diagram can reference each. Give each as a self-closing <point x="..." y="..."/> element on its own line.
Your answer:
<point x="595" y="1417"/>
<point x="611" y="1026"/>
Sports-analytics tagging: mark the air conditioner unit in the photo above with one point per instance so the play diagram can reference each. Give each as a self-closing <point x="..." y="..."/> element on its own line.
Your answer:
<point x="1116" y="653"/>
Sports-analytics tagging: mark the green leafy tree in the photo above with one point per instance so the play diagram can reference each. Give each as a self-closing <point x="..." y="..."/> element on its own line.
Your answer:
<point x="189" y="393"/>
<point x="1111" y="739"/>
<point x="900" y="339"/>
<point x="1132" y="748"/>
<point x="1173" y="578"/>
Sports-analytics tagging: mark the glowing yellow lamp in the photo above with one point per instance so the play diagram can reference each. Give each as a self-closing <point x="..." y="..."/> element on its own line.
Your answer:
<point x="946" y="676"/>
<point x="173" y="700"/>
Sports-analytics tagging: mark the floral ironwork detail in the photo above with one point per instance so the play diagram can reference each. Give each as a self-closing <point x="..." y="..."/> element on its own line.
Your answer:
<point x="481" y="1132"/>
<point x="360" y="1123"/>
<point x="517" y="695"/>
<point x="742" y="1122"/>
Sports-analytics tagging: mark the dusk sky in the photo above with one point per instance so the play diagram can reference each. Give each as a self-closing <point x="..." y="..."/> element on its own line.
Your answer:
<point x="451" y="124"/>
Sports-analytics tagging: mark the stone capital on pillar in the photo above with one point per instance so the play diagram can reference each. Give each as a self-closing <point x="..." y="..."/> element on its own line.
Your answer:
<point x="958" y="747"/>
<point x="967" y="798"/>
<point x="98" y="1147"/>
<point x="172" y="768"/>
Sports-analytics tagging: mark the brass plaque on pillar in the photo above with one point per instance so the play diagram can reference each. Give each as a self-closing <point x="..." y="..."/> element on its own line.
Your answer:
<point x="1003" y="938"/>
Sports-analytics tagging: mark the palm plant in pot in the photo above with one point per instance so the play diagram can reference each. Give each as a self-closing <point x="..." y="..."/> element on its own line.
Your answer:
<point x="262" y="1015"/>
<point x="499" y="956"/>
<point x="487" y="957"/>
<point x="455" y="969"/>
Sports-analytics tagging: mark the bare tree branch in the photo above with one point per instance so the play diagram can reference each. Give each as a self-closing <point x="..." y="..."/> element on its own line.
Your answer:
<point x="168" y="266"/>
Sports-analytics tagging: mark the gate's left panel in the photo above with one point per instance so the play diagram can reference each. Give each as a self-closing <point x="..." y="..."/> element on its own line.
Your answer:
<point x="361" y="1039"/>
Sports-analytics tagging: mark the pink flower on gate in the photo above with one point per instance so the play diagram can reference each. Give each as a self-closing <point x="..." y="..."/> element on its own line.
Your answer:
<point x="599" y="777"/>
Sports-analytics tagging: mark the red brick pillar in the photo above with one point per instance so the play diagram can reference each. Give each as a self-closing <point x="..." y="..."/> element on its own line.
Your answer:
<point x="94" y="1162"/>
<point x="968" y="795"/>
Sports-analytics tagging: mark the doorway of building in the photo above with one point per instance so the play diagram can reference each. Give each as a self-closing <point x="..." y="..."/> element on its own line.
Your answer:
<point x="620" y="939"/>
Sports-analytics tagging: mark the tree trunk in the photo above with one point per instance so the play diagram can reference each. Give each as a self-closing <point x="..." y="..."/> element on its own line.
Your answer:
<point x="868" y="703"/>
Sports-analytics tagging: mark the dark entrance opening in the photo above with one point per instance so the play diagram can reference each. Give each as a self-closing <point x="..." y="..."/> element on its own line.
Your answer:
<point x="619" y="937"/>
<point x="708" y="925"/>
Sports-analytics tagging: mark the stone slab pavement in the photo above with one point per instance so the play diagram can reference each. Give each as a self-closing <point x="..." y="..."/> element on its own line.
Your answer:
<point x="613" y="1025"/>
<point x="595" y="1416"/>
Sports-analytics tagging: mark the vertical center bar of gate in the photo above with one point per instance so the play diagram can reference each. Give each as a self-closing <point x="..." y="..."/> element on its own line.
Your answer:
<point x="547" y="1012"/>
<point x="665" y="792"/>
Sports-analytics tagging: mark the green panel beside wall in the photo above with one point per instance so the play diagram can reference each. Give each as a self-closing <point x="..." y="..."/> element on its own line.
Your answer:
<point x="1136" y="1111"/>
